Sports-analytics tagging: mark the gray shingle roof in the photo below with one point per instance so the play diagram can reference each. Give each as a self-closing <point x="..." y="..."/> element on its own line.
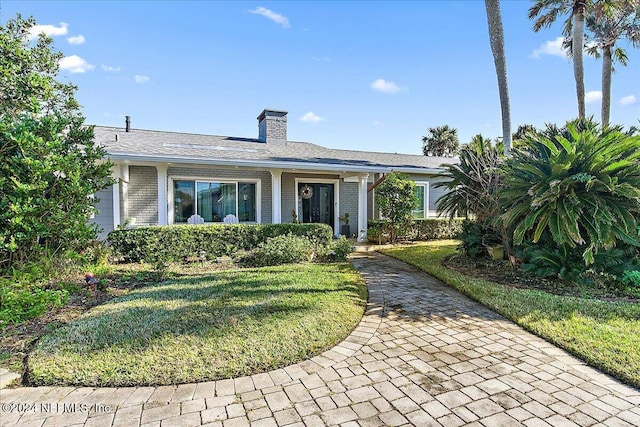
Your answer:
<point x="213" y="149"/>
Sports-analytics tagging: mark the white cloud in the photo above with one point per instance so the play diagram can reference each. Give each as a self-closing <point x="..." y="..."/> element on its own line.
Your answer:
<point x="75" y="64"/>
<point x="269" y="14"/>
<point x="628" y="100"/>
<point x="79" y="39"/>
<point x="139" y="78"/>
<point x="552" y="47"/>
<point x="50" y="30"/>
<point x="110" y="68"/>
<point x="321" y="58"/>
<point x="381" y="85"/>
<point x="592" y="96"/>
<point x="377" y="123"/>
<point x="311" y="118"/>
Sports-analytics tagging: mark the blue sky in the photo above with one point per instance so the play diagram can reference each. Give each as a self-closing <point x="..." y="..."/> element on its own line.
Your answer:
<point x="356" y="75"/>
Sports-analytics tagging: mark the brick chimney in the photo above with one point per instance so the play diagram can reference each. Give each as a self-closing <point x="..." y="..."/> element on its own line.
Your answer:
<point x="272" y="126"/>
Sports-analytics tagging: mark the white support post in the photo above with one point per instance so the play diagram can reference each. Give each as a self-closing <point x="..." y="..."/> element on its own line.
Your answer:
<point x="162" y="194"/>
<point x="115" y="172"/>
<point x="124" y="185"/>
<point x="362" y="208"/>
<point x="276" y="196"/>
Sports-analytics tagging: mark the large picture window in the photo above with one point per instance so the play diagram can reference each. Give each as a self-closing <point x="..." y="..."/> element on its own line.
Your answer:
<point x="213" y="201"/>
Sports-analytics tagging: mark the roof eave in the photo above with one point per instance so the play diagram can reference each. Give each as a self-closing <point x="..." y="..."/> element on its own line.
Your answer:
<point x="270" y="164"/>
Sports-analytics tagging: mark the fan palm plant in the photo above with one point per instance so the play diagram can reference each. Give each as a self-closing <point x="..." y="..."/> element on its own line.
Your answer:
<point x="580" y="183"/>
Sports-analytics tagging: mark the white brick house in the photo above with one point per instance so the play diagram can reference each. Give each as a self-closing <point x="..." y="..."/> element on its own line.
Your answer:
<point x="166" y="177"/>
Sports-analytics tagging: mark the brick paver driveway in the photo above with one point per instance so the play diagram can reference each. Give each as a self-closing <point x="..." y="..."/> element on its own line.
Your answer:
<point x="422" y="355"/>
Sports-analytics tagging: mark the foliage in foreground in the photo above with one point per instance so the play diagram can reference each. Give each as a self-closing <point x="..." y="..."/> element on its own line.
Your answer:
<point x="49" y="164"/>
<point x="227" y="324"/>
<point x="604" y="334"/>
<point x="37" y="287"/>
<point x="580" y="184"/>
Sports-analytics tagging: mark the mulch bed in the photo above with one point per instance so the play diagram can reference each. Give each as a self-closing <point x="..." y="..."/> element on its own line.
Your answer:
<point x="504" y="273"/>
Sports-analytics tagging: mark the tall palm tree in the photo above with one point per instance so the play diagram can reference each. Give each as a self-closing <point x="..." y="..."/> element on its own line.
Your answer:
<point x="496" y="37"/>
<point x="611" y="22"/>
<point x="442" y="141"/>
<point x="545" y="13"/>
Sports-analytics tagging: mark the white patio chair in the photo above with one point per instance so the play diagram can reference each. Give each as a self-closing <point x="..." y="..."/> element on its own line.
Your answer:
<point x="195" y="219"/>
<point x="230" y="219"/>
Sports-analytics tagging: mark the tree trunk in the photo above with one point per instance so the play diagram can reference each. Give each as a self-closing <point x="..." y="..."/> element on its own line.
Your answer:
<point x="606" y="85"/>
<point x="496" y="38"/>
<point x="577" y="39"/>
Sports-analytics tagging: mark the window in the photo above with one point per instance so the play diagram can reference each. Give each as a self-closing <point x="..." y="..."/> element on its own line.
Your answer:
<point x="421" y="191"/>
<point x="214" y="200"/>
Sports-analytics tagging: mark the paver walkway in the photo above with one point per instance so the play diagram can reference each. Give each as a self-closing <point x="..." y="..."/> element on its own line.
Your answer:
<point x="422" y="355"/>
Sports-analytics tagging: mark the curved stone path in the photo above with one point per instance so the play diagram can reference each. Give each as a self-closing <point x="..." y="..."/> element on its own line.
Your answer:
<point x="422" y="355"/>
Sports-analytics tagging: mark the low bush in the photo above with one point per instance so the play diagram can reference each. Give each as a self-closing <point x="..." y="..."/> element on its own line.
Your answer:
<point x="475" y="238"/>
<point x="283" y="249"/>
<point x="420" y="229"/>
<point x="178" y="242"/>
<point x="341" y="248"/>
<point x="21" y="301"/>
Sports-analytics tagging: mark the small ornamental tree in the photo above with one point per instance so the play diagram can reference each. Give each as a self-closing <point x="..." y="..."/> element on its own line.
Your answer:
<point x="50" y="166"/>
<point x="395" y="197"/>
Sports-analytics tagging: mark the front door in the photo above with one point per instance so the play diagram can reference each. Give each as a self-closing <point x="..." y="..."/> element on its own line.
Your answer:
<point x="317" y="203"/>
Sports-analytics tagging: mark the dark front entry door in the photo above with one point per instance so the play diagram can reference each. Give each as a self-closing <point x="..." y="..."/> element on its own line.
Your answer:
<point x="319" y="206"/>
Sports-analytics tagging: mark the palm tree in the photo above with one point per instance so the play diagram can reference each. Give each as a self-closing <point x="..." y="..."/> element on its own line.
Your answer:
<point x="612" y="22"/>
<point x="496" y="37"/>
<point x="545" y="13"/>
<point x="479" y="144"/>
<point x="442" y="141"/>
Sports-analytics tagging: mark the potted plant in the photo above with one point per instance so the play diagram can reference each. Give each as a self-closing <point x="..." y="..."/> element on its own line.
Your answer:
<point x="345" y="229"/>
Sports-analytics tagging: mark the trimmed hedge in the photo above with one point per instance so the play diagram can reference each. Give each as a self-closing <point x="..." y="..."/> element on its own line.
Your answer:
<point x="177" y="242"/>
<point x="421" y="229"/>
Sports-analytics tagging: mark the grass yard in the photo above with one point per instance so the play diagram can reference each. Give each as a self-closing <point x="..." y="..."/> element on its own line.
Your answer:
<point x="604" y="334"/>
<point x="199" y="328"/>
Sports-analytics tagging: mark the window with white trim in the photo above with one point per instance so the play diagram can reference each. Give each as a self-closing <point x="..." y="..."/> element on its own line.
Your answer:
<point x="214" y="200"/>
<point x="421" y="191"/>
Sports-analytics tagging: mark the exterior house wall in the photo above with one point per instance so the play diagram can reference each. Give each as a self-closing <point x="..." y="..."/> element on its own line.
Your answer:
<point x="234" y="174"/>
<point x="104" y="216"/>
<point x="142" y="200"/>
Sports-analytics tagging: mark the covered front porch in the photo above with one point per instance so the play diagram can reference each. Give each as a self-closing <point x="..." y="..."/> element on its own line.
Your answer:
<point x="168" y="193"/>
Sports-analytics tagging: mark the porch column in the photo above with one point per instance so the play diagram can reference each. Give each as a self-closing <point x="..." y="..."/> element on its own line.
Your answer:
<point x="276" y="196"/>
<point x="115" y="172"/>
<point x="124" y="184"/>
<point x="162" y="194"/>
<point x="362" y="208"/>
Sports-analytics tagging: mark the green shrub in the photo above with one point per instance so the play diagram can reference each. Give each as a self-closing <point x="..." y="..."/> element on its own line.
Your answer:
<point x="475" y="237"/>
<point x="283" y="249"/>
<point x="395" y="198"/>
<point x="21" y="301"/>
<point x="341" y="248"/>
<point x="579" y="184"/>
<point x="420" y="229"/>
<point x="632" y="278"/>
<point x="175" y="243"/>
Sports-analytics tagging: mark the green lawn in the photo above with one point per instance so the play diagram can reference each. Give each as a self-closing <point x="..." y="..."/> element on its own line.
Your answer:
<point x="225" y="324"/>
<point x="604" y="334"/>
